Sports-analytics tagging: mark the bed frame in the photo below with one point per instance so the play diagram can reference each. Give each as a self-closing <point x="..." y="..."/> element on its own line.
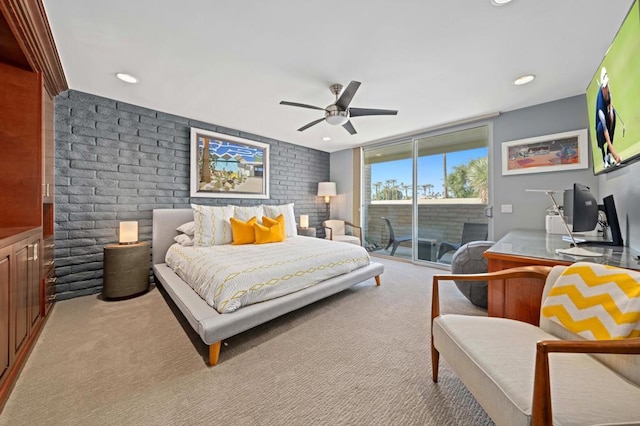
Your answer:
<point x="212" y="326"/>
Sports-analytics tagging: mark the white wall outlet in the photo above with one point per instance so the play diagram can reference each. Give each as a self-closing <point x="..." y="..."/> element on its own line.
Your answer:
<point x="506" y="208"/>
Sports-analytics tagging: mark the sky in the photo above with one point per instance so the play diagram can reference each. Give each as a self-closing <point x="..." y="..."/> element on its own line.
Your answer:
<point x="430" y="169"/>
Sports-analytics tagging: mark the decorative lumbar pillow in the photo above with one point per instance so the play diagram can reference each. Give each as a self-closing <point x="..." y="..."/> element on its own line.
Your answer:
<point x="187" y="228"/>
<point x="212" y="226"/>
<point x="289" y="217"/>
<point x="597" y="302"/>
<point x="267" y="221"/>
<point x="184" y="240"/>
<point x="243" y="232"/>
<point x="244" y="213"/>
<point x="268" y="234"/>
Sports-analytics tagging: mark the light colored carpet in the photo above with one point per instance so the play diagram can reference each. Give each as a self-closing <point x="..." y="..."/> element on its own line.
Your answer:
<point x="358" y="358"/>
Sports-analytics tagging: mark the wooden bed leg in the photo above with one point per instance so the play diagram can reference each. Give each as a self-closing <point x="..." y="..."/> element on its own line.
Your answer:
<point x="214" y="353"/>
<point x="378" y="280"/>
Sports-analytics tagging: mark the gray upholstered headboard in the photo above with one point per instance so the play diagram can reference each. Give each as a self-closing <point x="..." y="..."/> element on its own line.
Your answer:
<point x="165" y="222"/>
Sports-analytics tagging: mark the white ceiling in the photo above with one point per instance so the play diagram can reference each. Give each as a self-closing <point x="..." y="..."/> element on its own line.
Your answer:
<point x="230" y="63"/>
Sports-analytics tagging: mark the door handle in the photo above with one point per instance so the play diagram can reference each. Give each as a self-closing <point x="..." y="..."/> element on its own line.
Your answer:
<point x="488" y="211"/>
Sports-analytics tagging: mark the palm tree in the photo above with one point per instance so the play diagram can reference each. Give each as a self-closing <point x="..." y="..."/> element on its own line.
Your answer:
<point x="392" y="184"/>
<point x="377" y="186"/>
<point x="478" y="177"/>
<point x="405" y="188"/>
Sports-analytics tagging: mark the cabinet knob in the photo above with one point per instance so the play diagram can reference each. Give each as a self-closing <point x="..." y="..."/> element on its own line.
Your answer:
<point x="52" y="280"/>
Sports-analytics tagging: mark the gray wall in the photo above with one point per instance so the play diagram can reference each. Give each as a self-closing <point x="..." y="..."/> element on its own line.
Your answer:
<point x="116" y="161"/>
<point x="529" y="208"/>
<point x="342" y="175"/>
<point x="626" y="194"/>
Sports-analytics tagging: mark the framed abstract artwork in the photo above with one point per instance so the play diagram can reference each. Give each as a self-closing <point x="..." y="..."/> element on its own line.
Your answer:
<point x="551" y="153"/>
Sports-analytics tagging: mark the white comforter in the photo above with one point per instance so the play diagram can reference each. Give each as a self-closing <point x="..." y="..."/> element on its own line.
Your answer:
<point x="229" y="276"/>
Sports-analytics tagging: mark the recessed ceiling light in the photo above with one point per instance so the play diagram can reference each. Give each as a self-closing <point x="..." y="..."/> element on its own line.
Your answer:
<point x="524" y="80"/>
<point x="500" y="2"/>
<point x="326" y="138"/>
<point x="126" y="77"/>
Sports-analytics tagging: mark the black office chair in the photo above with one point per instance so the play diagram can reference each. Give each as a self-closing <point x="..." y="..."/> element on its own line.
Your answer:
<point x="393" y="240"/>
<point x="470" y="232"/>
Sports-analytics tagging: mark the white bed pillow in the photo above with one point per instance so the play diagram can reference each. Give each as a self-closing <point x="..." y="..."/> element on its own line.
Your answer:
<point x="212" y="226"/>
<point x="289" y="217"/>
<point x="187" y="228"/>
<point x="184" y="240"/>
<point x="244" y="213"/>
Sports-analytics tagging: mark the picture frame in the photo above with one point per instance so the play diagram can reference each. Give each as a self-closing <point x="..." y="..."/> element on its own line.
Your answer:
<point x="237" y="167"/>
<point x="550" y="153"/>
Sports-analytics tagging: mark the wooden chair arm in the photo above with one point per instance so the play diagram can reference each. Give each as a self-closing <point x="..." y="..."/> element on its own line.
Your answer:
<point x="355" y="226"/>
<point x="541" y="411"/>
<point x="330" y="232"/>
<point x="534" y="271"/>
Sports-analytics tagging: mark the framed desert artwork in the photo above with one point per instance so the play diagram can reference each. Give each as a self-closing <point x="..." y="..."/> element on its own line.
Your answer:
<point x="224" y="166"/>
<point x="551" y="153"/>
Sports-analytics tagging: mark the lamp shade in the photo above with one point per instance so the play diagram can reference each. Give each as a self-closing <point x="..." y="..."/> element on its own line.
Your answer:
<point x="304" y="221"/>
<point x="326" y="189"/>
<point x="128" y="232"/>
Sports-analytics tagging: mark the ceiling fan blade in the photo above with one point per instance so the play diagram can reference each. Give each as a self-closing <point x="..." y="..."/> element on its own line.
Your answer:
<point x="358" y="112"/>
<point x="347" y="95"/>
<point x="295" y="104"/>
<point x="313" y="123"/>
<point x="349" y="128"/>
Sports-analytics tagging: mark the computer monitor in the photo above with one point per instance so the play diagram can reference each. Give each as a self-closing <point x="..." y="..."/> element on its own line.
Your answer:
<point x="609" y="208"/>
<point x="580" y="208"/>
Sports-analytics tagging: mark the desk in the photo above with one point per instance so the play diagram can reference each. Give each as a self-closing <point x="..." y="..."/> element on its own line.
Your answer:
<point x="521" y="299"/>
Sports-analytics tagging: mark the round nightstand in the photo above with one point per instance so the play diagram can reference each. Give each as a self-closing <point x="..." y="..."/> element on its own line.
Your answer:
<point x="307" y="232"/>
<point x="126" y="269"/>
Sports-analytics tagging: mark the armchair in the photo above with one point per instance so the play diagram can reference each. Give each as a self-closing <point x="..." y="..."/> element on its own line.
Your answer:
<point x="336" y="230"/>
<point x="507" y="366"/>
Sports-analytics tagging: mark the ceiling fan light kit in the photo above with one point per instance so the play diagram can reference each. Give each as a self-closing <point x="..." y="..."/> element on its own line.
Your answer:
<point x="339" y="112"/>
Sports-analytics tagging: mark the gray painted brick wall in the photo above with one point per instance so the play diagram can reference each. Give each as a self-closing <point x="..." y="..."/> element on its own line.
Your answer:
<point x="116" y="162"/>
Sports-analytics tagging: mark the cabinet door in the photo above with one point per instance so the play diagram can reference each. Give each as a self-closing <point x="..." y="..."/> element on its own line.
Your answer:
<point x="20" y="296"/>
<point x="33" y="281"/>
<point x="48" y="153"/>
<point x="5" y="277"/>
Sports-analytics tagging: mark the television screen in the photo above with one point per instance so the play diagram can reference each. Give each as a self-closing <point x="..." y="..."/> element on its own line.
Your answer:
<point x="614" y="133"/>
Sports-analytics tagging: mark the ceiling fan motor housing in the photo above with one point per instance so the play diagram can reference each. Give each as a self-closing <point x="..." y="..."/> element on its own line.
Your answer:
<point x="334" y="116"/>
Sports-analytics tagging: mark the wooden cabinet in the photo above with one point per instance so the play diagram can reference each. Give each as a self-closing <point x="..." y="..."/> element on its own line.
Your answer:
<point x="30" y="77"/>
<point x="6" y="259"/>
<point x="20" y="295"/>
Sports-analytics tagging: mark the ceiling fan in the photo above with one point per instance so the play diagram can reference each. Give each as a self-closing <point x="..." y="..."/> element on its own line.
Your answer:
<point x="339" y="112"/>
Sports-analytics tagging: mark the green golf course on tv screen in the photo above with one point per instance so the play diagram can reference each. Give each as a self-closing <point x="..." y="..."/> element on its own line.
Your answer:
<point x="620" y="68"/>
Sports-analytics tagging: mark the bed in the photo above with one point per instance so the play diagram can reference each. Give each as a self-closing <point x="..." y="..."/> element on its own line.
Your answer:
<point x="212" y="326"/>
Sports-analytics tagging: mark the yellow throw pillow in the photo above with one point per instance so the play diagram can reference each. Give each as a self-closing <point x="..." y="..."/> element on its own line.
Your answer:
<point x="267" y="221"/>
<point x="268" y="234"/>
<point x="243" y="232"/>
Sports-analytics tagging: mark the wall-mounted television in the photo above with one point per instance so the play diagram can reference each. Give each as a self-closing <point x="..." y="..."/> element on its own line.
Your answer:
<point x="620" y="73"/>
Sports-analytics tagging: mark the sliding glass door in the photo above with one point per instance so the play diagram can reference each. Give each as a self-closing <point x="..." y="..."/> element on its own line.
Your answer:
<point x="423" y="197"/>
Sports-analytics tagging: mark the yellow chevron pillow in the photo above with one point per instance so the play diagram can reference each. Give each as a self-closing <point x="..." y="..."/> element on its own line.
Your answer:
<point x="597" y="302"/>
